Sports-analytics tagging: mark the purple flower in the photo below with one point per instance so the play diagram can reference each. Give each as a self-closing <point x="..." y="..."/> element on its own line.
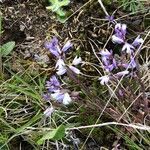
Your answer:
<point x="138" y="41"/>
<point x="106" y="53"/>
<point x="62" y="97"/>
<point x="104" y="79"/>
<point x="46" y="96"/>
<point x="120" y="32"/>
<point x="55" y="49"/>
<point x="109" y="67"/>
<point x="77" y="60"/>
<point x="61" y="66"/>
<point x="53" y="84"/>
<point x="110" y="18"/>
<point x="58" y="96"/>
<point x="132" y="63"/>
<point x="122" y="73"/>
<point x="56" y="93"/>
<point x="108" y="60"/>
<point x="128" y="47"/>
<point x="74" y="69"/>
<point x="67" y="46"/>
<point x="48" y="112"/>
<point x="116" y="39"/>
<point x="106" y="57"/>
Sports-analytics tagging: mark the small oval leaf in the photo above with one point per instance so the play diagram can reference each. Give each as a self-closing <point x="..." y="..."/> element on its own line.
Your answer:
<point x="55" y="134"/>
<point x="7" y="48"/>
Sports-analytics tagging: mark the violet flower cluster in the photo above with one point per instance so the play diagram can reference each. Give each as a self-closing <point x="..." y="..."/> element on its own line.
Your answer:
<point x="59" y="53"/>
<point x="119" y="38"/>
<point x="54" y="87"/>
<point x="56" y="92"/>
<point x="114" y="68"/>
<point x="110" y="63"/>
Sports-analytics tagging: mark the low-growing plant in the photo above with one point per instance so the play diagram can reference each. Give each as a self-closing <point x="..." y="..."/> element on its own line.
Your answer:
<point x="57" y="7"/>
<point x="120" y="65"/>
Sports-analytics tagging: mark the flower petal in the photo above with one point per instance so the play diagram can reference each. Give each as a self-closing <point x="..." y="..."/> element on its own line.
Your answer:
<point x="74" y="69"/>
<point x="48" y="111"/>
<point x="67" y="46"/>
<point x="116" y="39"/>
<point x="67" y="99"/>
<point x="105" y="53"/>
<point x="138" y="41"/>
<point x="110" y="18"/>
<point x="58" y="96"/>
<point x="54" y="81"/>
<point x="132" y="63"/>
<point x="60" y="67"/>
<point x="104" y="79"/>
<point x="109" y="68"/>
<point x="128" y="47"/>
<point x="53" y="47"/>
<point x="123" y="29"/>
<point x="122" y="73"/>
<point x="120" y="29"/>
<point x="60" y="63"/>
<point x="61" y="71"/>
<point x="117" y="27"/>
<point x="53" y="84"/>
<point x="76" y="61"/>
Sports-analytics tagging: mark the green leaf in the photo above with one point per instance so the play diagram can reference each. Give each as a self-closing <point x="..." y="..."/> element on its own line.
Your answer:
<point x="56" y="6"/>
<point x="55" y="134"/>
<point x="61" y="12"/>
<point x="61" y="19"/>
<point x="64" y="3"/>
<point x="7" y="48"/>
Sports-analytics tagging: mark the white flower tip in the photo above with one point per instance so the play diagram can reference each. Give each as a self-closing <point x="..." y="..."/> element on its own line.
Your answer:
<point x="138" y="41"/>
<point x="104" y="79"/>
<point x="118" y="26"/>
<point x="48" y="111"/>
<point x="76" y="61"/>
<point x="124" y="27"/>
<point x="128" y="47"/>
<point x="67" y="46"/>
<point x="59" y="63"/>
<point x="123" y="73"/>
<point x="60" y="66"/>
<point x="105" y="53"/>
<point x="61" y="71"/>
<point x="74" y="69"/>
<point x="116" y="39"/>
<point x="67" y="99"/>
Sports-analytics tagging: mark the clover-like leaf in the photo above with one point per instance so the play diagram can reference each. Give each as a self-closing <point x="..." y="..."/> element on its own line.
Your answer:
<point x="56" y="6"/>
<point x="61" y="12"/>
